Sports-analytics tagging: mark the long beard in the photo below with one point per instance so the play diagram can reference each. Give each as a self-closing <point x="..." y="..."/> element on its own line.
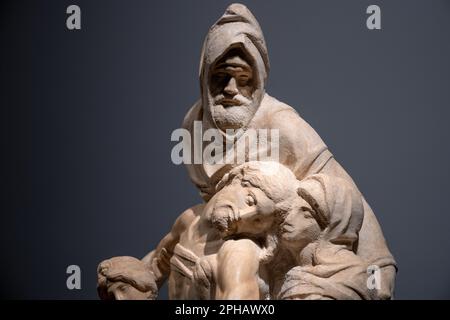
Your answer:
<point x="235" y="116"/>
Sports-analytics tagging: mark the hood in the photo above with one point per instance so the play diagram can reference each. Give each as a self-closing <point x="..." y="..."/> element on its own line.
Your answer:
<point x="338" y="208"/>
<point x="237" y="28"/>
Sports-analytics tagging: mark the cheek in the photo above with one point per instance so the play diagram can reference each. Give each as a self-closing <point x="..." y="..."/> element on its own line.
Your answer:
<point x="311" y="230"/>
<point x="215" y="90"/>
<point x="131" y="293"/>
<point x="300" y="230"/>
<point x="246" y="91"/>
<point x="216" y="86"/>
<point x="264" y="205"/>
<point x="135" y="294"/>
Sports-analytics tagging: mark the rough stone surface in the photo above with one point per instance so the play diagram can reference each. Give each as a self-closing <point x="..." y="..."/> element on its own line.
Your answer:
<point x="296" y="228"/>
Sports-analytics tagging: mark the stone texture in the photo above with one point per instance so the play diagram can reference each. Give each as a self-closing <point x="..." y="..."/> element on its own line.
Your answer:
<point x="294" y="229"/>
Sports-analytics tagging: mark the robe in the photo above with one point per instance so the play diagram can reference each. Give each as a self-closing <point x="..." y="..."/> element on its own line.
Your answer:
<point x="300" y="147"/>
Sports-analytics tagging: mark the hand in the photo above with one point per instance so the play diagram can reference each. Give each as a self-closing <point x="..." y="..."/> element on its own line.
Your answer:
<point x="125" y="278"/>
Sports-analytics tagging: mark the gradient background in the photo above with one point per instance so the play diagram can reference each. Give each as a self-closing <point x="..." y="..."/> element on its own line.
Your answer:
<point x="86" y="118"/>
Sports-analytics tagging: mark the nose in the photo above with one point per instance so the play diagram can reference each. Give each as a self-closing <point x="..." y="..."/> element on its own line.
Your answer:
<point x="231" y="87"/>
<point x="118" y="296"/>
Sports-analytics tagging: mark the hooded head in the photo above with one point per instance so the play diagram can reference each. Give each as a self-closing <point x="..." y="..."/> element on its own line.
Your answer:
<point x="233" y="69"/>
<point x="337" y="207"/>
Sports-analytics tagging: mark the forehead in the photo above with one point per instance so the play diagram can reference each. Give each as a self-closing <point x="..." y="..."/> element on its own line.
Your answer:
<point x="234" y="58"/>
<point x="235" y="61"/>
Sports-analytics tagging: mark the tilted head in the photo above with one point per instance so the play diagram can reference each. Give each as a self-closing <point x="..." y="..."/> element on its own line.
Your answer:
<point x="233" y="69"/>
<point x="260" y="198"/>
<point x="253" y="198"/>
<point x="125" y="278"/>
<point x="264" y="201"/>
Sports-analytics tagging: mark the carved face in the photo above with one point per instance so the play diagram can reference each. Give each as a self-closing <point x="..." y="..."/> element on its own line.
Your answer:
<point x="299" y="228"/>
<point x="241" y="208"/>
<point x="232" y="84"/>
<point x="261" y="198"/>
<point x="125" y="291"/>
<point x="125" y="278"/>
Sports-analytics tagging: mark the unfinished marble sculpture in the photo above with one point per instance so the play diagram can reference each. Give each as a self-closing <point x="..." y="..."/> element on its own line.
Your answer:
<point x="295" y="228"/>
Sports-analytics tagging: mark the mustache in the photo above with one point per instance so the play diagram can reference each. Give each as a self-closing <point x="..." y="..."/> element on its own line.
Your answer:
<point x="237" y="100"/>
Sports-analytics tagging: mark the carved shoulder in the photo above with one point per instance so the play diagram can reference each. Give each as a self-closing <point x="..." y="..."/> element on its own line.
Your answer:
<point x="185" y="219"/>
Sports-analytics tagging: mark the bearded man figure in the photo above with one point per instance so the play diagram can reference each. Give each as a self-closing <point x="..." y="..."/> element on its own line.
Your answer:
<point x="234" y="67"/>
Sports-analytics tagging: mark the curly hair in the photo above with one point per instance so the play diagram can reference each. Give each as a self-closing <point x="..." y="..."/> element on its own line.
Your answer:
<point x="274" y="179"/>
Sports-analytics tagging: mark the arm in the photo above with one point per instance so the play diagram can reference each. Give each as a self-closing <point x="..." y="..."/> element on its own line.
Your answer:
<point x="158" y="260"/>
<point x="238" y="265"/>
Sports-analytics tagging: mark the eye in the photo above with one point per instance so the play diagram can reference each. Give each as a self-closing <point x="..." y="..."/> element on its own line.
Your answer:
<point x="243" y="79"/>
<point x="245" y="184"/>
<point x="220" y="76"/>
<point x="307" y="214"/>
<point x="123" y="288"/>
<point x="250" y="200"/>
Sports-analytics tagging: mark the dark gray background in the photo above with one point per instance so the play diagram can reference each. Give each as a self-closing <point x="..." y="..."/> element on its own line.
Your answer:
<point x="87" y="117"/>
